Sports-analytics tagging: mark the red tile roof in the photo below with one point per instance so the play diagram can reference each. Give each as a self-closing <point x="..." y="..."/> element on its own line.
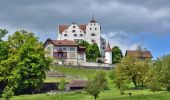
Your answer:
<point x="64" y="27"/>
<point x="134" y="53"/>
<point x="61" y="42"/>
<point x="108" y="48"/>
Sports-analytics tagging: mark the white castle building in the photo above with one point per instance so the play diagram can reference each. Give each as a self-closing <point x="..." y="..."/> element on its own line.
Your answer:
<point x="90" y="32"/>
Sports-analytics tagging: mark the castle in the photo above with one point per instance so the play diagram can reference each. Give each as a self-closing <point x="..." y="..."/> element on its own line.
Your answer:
<point x="64" y="50"/>
<point x="90" y="32"/>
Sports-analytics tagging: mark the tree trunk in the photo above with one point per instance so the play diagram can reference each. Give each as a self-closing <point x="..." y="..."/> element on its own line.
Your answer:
<point x="95" y="97"/>
<point x="134" y="80"/>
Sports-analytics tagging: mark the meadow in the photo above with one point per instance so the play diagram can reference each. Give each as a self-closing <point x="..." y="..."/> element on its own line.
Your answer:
<point x="111" y="94"/>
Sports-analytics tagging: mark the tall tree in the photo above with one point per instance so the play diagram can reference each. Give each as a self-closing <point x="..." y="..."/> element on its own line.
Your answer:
<point x="116" y="55"/>
<point x="3" y="56"/>
<point x="92" y="52"/>
<point x="26" y="63"/>
<point x="131" y="70"/>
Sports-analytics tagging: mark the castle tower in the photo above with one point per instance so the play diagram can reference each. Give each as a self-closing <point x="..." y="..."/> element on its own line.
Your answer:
<point x="108" y="54"/>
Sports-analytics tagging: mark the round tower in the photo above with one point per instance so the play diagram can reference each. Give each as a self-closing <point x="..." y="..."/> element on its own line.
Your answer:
<point x="108" y="54"/>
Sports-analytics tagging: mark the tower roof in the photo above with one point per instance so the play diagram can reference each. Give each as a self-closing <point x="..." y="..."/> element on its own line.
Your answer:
<point x="93" y="20"/>
<point x="108" y="48"/>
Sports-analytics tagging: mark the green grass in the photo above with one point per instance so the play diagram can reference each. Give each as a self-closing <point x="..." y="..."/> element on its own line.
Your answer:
<point x="54" y="79"/>
<point x="85" y="73"/>
<point x="111" y="94"/>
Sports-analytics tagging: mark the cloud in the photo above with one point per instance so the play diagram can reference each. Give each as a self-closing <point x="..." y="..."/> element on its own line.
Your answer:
<point x="120" y="19"/>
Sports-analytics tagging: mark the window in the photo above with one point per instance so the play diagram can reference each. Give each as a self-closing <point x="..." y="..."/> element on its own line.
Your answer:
<point x="48" y="48"/>
<point x="73" y="31"/>
<point x="92" y="40"/>
<point x="72" y="49"/>
<point x="90" y="28"/>
<point x="81" y="34"/>
<point x="64" y="48"/>
<point x="65" y="35"/>
<point x="93" y="34"/>
<point x="75" y="34"/>
<point x="103" y="48"/>
<point x="59" y="48"/>
<point x="65" y="31"/>
<point x="95" y="28"/>
<point x="72" y="55"/>
<point x="60" y="54"/>
<point x="74" y="26"/>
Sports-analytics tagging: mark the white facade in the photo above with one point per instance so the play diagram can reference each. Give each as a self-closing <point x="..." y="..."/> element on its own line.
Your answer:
<point x="90" y="33"/>
<point x="108" y="54"/>
<point x="63" y="54"/>
<point x="108" y="57"/>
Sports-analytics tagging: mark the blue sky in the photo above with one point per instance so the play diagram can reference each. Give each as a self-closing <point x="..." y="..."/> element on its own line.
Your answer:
<point x="125" y="23"/>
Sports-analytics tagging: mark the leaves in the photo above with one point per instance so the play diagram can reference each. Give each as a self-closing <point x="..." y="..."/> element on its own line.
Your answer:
<point x="116" y="55"/>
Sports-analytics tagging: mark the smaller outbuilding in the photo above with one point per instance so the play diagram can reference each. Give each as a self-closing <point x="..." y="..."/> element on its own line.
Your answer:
<point x="139" y="54"/>
<point x="77" y="84"/>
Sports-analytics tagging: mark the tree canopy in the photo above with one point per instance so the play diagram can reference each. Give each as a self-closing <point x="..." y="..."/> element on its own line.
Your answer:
<point x="26" y="63"/>
<point x="159" y="75"/>
<point x="116" y="55"/>
<point x="92" y="52"/>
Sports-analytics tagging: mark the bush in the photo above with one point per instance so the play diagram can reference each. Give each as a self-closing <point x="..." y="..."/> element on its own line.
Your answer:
<point x="61" y="85"/>
<point x="7" y="93"/>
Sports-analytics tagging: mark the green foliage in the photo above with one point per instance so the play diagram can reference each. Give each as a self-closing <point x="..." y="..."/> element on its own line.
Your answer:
<point x="100" y="77"/>
<point x="61" y="85"/>
<point x="92" y="52"/>
<point x="7" y="93"/>
<point x="159" y="75"/>
<point x="112" y="75"/>
<point x="98" y="84"/>
<point x="93" y="88"/>
<point x="26" y="63"/>
<point x="83" y="43"/>
<point x="131" y="70"/>
<point x="3" y="32"/>
<point x="116" y="55"/>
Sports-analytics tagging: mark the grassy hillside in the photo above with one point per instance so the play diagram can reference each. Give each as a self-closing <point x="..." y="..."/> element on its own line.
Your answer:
<point x="85" y="73"/>
<point x="111" y="94"/>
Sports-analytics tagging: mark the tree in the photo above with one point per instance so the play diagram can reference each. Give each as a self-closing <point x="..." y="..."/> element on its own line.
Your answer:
<point x="131" y="70"/>
<point x="99" y="83"/>
<point x="26" y="63"/>
<point x="159" y="76"/>
<point x="92" y="52"/>
<point x="116" y="55"/>
<point x="3" y="56"/>
<point x="61" y="85"/>
<point x="83" y="43"/>
<point x="101" y="78"/>
<point x="93" y="88"/>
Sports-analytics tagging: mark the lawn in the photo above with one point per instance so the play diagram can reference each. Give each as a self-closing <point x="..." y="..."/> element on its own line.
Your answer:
<point x="84" y="73"/>
<point x="111" y="94"/>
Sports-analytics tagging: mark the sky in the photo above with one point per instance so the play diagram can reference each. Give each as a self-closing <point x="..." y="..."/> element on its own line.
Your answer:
<point x="125" y="23"/>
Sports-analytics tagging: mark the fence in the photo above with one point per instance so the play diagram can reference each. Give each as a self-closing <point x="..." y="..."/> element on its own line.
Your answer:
<point x="88" y="67"/>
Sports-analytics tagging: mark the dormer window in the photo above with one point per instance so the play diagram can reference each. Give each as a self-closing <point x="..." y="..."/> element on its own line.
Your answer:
<point x="75" y="34"/>
<point x="73" y="31"/>
<point x="65" y="35"/>
<point x="81" y="34"/>
<point x="74" y="26"/>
